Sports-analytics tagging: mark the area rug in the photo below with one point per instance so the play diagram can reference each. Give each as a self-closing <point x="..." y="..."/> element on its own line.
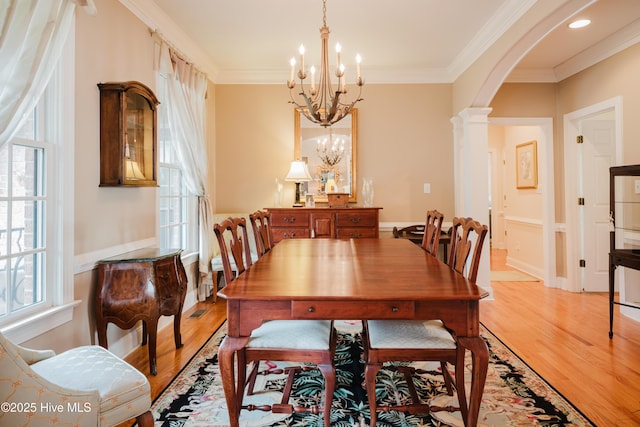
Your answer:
<point x="514" y="394"/>
<point x="511" y="276"/>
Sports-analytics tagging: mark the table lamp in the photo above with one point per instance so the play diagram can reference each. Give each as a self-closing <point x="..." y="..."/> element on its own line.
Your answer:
<point x="298" y="173"/>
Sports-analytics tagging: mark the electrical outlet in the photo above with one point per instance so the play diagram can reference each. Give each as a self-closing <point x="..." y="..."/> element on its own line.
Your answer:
<point x="637" y="186"/>
<point x="427" y="188"/>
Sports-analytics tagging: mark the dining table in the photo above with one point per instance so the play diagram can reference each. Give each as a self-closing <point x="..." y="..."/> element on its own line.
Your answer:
<point x="363" y="279"/>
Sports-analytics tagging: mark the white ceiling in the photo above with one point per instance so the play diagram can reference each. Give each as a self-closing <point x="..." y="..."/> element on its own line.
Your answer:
<point x="414" y="41"/>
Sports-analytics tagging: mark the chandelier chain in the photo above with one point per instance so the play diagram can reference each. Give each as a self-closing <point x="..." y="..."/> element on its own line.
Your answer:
<point x="322" y="104"/>
<point x="324" y="13"/>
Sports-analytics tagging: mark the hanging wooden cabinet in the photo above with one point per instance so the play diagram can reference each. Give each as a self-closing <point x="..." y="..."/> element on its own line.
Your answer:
<point x="128" y="135"/>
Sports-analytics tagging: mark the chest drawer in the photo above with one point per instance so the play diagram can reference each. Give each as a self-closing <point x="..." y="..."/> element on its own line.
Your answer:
<point x="278" y="234"/>
<point x="356" y="219"/>
<point x="289" y="219"/>
<point x="356" y="233"/>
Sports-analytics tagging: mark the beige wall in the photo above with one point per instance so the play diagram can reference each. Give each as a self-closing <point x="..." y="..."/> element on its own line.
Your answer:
<point x="111" y="46"/>
<point x="403" y="142"/>
<point x="616" y="76"/>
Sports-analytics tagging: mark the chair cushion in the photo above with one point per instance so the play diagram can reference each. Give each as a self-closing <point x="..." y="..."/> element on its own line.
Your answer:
<point x="124" y="391"/>
<point x="409" y="334"/>
<point x="292" y="334"/>
<point x="216" y="262"/>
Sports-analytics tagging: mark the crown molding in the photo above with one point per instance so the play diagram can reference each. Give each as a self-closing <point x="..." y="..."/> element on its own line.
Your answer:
<point x="532" y="75"/>
<point x="374" y="76"/>
<point x="159" y="22"/>
<point x="617" y="42"/>
<point x="493" y="29"/>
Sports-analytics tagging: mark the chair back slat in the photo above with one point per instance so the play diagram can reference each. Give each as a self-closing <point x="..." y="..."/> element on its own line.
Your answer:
<point x="460" y="246"/>
<point x="432" y="229"/>
<point x="232" y="244"/>
<point x="261" y="224"/>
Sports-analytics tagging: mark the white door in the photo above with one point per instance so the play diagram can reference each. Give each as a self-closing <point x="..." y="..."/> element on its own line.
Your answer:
<point x="598" y="154"/>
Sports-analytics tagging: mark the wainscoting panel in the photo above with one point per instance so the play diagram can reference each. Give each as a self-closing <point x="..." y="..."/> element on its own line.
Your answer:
<point x="524" y="245"/>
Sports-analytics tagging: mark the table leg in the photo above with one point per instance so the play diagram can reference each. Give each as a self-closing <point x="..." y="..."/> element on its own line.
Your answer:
<point x="479" y="367"/>
<point x="226" y="353"/>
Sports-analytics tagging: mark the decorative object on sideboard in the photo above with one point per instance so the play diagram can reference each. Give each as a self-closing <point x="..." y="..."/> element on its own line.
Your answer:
<point x="322" y="104"/>
<point x="367" y="192"/>
<point x="298" y="173"/>
<point x="277" y="194"/>
<point x="338" y="200"/>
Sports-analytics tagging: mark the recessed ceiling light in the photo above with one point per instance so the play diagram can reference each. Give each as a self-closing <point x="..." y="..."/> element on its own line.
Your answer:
<point x="580" y="23"/>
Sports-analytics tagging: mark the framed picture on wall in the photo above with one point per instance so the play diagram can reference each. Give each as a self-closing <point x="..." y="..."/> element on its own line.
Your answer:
<point x="527" y="165"/>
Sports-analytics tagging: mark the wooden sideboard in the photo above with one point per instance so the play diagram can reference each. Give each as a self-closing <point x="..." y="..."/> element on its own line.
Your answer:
<point x="330" y="223"/>
<point x="138" y="286"/>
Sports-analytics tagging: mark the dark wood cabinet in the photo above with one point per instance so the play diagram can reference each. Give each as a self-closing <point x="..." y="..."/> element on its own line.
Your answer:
<point x="138" y="286"/>
<point x="128" y="135"/>
<point x="624" y="211"/>
<point x="332" y="223"/>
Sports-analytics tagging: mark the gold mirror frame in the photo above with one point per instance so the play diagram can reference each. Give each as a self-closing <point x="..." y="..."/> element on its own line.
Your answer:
<point x="306" y="139"/>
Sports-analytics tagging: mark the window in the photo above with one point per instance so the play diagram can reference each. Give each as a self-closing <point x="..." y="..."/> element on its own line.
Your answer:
<point x="23" y="204"/>
<point x="178" y="207"/>
<point x="36" y="202"/>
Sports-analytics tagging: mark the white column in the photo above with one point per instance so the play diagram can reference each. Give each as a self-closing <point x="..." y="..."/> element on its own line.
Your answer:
<point x="471" y="169"/>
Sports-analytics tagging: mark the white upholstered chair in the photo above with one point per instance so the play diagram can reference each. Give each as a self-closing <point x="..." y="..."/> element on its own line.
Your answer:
<point x="84" y="386"/>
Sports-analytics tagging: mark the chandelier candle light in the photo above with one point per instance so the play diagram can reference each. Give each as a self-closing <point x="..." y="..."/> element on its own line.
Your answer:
<point x="333" y="153"/>
<point x="321" y="104"/>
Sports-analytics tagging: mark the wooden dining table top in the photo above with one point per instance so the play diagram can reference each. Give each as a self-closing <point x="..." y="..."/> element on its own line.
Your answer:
<point x="356" y="269"/>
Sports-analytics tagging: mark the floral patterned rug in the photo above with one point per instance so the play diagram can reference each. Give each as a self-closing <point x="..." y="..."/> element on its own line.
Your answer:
<point x="514" y="394"/>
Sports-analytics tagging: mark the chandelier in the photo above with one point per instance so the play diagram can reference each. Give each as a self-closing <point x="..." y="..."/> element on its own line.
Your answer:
<point x="322" y="104"/>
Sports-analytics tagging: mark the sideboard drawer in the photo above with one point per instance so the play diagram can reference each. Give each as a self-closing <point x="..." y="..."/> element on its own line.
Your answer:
<point x="289" y="233"/>
<point x="356" y="233"/>
<point x="357" y="219"/>
<point x="290" y="219"/>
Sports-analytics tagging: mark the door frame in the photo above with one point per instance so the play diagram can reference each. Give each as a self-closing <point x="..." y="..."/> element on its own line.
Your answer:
<point x="573" y="128"/>
<point x="547" y="185"/>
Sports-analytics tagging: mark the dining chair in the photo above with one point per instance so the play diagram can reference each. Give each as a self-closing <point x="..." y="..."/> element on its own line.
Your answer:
<point x="297" y="341"/>
<point x="432" y="230"/>
<point x="413" y="341"/>
<point x="261" y="224"/>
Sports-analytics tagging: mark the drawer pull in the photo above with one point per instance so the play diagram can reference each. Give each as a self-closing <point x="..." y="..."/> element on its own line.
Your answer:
<point x="311" y="309"/>
<point x="287" y="219"/>
<point x="394" y="309"/>
<point x="356" y="235"/>
<point x="286" y="235"/>
<point x="355" y="220"/>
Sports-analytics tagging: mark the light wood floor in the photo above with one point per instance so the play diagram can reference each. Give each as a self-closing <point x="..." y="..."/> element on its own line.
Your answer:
<point x="562" y="335"/>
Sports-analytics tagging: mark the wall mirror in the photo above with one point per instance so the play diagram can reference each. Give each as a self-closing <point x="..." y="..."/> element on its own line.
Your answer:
<point x="330" y="154"/>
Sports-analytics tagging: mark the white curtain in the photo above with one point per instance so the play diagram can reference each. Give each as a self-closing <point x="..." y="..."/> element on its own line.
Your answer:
<point x="185" y="106"/>
<point x="32" y="35"/>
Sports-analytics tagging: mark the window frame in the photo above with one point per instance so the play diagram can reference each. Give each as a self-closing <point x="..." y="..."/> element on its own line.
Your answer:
<point x="59" y="229"/>
<point x="189" y="202"/>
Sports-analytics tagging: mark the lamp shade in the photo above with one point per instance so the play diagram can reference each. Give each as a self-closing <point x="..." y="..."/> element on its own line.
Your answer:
<point x="298" y="172"/>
